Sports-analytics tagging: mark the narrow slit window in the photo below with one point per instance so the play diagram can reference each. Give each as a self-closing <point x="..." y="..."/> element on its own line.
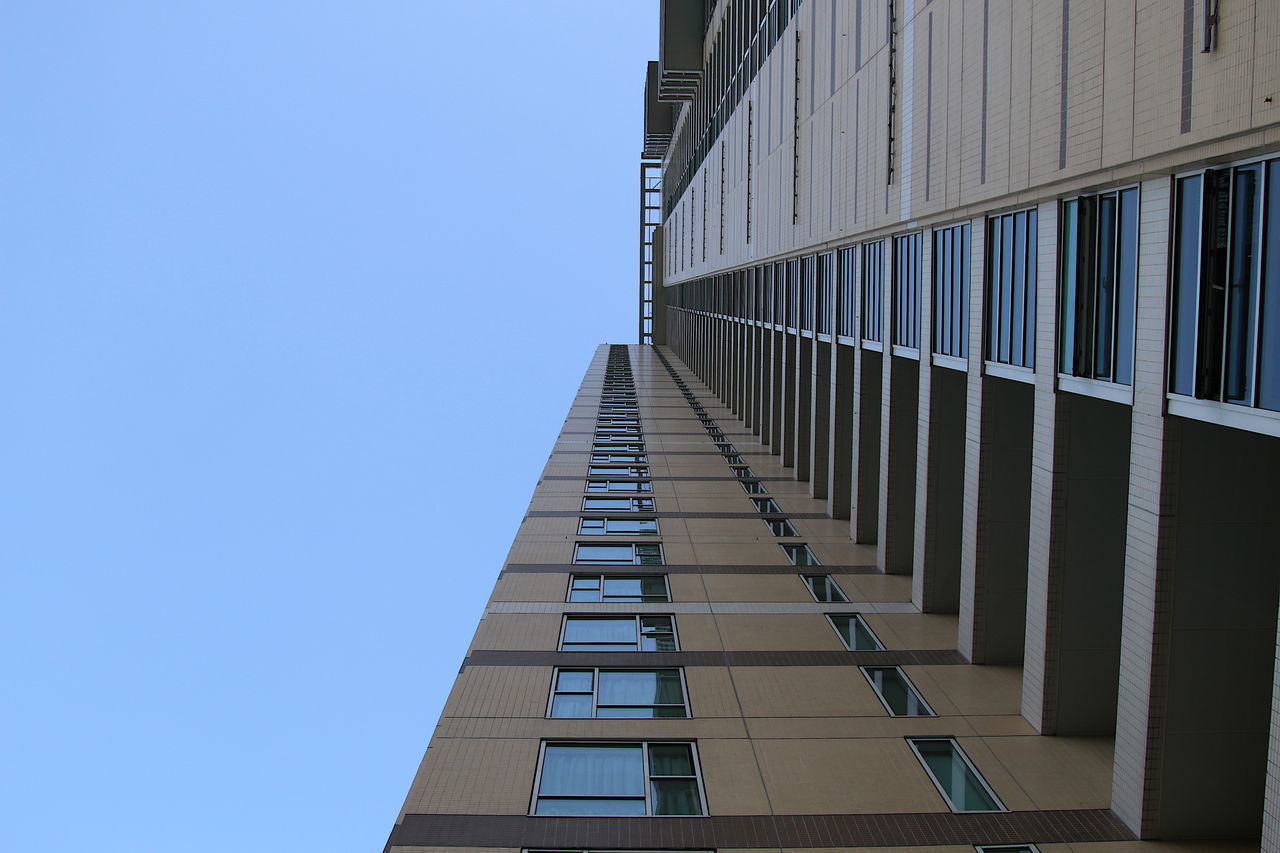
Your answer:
<point x="823" y="588"/>
<point x="955" y="776"/>
<point x="896" y="691"/>
<point x="854" y="633"/>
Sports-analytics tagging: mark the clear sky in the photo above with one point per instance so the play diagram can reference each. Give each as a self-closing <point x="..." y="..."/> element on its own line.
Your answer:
<point x="294" y="295"/>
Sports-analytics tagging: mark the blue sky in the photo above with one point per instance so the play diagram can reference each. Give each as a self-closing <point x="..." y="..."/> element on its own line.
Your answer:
<point x="295" y="297"/>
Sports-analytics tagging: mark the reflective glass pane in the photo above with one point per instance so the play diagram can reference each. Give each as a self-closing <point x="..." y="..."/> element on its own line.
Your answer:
<point x="584" y="770"/>
<point x="857" y="637"/>
<point x="571" y="705"/>
<point x="605" y="554"/>
<point x="1186" y="283"/>
<point x="670" y="759"/>
<point x="606" y="630"/>
<point x="896" y="690"/>
<point x="574" y="680"/>
<point x="624" y="808"/>
<point x="676" y="797"/>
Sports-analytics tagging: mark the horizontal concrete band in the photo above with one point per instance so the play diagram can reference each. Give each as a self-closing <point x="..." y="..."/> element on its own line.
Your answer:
<point x="822" y="657"/>
<point x="684" y="569"/>
<point x="604" y="513"/>
<point x="772" y="831"/>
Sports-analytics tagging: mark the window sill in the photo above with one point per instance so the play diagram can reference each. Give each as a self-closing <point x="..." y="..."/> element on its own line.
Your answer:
<point x="951" y="362"/>
<point x="906" y="352"/>
<point x="1112" y="391"/>
<point x="1261" y="421"/>
<point x="874" y="346"/>
<point x="1009" y="371"/>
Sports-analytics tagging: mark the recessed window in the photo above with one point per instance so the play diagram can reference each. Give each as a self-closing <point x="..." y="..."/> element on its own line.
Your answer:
<point x="742" y="472"/>
<point x="780" y="527"/>
<point x="1011" y="288"/>
<point x="619" y="486"/>
<point x="618" y="471"/>
<point x="619" y="432"/>
<point x="726" y="448"/>
<point x="854" y="633"/>
<point x="624" y="779"/>
<point x="635" y="554"/>
<point x="617" y="421"/>
<point x="615" y="458"/>
<point x="1224" y="340"/>
<point x="907" y="255"/>
<point x="873" y="291"/>
<point x="955" y="776"/>
<point x="753" y="487"/>
<point x="1007" y="848"/>
<point x="624" y="504"/>
<point x="611" y="693"/>
<point x="640" y="633"/>
<point x="733" y="459"/>
<point x="823" y="588"/>
<point x="800" y="555"/>
<point x="896" y="691"/>
<point x="617" y="588"/>
<point x="1098" y="275"/>
<point x="614" y="526"/>
<point x="951" y="291"/>
<point x="766" y="505"/>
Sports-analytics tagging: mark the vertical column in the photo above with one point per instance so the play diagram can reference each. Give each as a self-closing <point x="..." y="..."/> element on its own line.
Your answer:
<point x="820" y="419"/>
<point x="923" y="572"/>
<point x="840" y="445"/>
<point x="1271" y="802"/>
<point x="895" y="540"/>
<point x="972" y="547"/>
<point x="802" y="411"/>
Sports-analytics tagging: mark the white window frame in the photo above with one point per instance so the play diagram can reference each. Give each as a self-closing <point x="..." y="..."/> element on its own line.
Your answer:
<point x="568" y="596"/>
<point x="632" y="486"/>
<point x="635" y="553"/>
<point x="632" y="508"/>
<point x="656" y="531"/>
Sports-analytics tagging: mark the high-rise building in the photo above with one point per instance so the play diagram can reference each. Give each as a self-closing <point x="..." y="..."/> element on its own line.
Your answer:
<point x="936" y="509"/>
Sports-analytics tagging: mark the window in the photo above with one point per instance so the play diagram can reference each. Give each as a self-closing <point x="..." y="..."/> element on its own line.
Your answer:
<point x="617" y="588"/>
<point x="766" y="505"/>
<point x="618" y="457"/>
<point x="846" y="291"/>
<point x="618" y="421"/>
<point x="906" y="290"/>
<point x="951" y="291"/>
<point x="624" y="504"/>
<point x="626" y="779"/>
<point x="635" y="554"/>
<point x="1098" y="275"/>
<point x="618" y="634"/>
<point x="1225" y="301"/>
<point x="896" y="691"/>
<point x="725" y="448"/>
<point x="822" y="303"/>
<point x="613" y="526"/>
<point x="633" y="471"/>
<point x="823" y="588"/>
<point x="780" y="527"/>
<point x="608" y="432"/>
<point x="1011" y="288"/>
<point x="854" y="632"/>
<point x="955" y="776"/>
<point x="733" y="458"/>
<point x="642" y="693"/>
<point x="800" y="555"/>
<point x="742" y="472"/>
<point x="619" y="486"/>
<point x="753" y="487"/>
<point x="618" y="447"/>
<point x="1007" y="848"/>
<point x="872" y="291"/>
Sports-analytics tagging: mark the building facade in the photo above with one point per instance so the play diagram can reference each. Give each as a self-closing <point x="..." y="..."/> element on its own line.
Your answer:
<point x="936" y="514"/>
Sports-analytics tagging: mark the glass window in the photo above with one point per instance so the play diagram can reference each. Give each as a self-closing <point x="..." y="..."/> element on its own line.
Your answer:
<point x="956" y="778"/>
<point x="951" y="291"/>
<point x="640" y="693"/>
<point x="780" y="527"/>
<point x="624" y="504"/>
<point x="647" y="554"/>
<point x="766" y="505"/>
<point x="725" y="447"/>
<point x="1007" y="848"/>
<point x="823" y="588"/>
<point x="617" y="471"/>
<point x="742" y="472"/>
<point x="618" y="634"/>
<point x="822" y="302"/>
<point x="896" y="691"/>
<point x="617" y="447"/>
<point x="753" y="487"/>
<point x="1225" y="313"/>
<point x="619" y="486"/>
<point x="618" y="588"/>
<point x="733" y="459"/>
<point x="1011" y="288"/>
<point x="627" y="779"/>
<point x="623" y="458"/>
<point x="1098" y="274"/>
<point x="617" y="420"/>
<point x="873" y="291"/>
<point x="612" y="526"/>
<point x="855" y="634"/>
<point x="846" y="291"/>
<point x="907" y="258"/>
<point x="800" y="555"/>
